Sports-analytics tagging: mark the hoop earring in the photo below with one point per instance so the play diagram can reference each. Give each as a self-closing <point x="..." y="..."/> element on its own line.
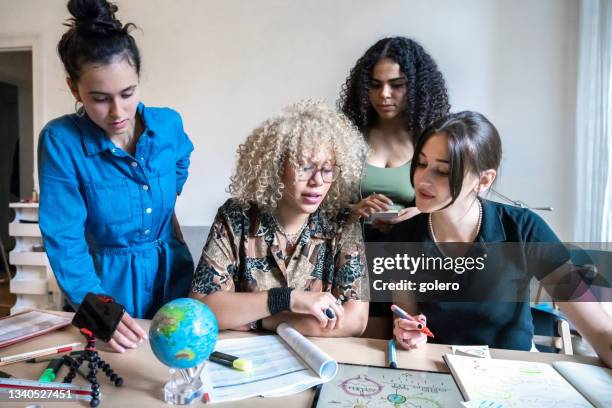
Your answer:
<point x="79" y="110"/>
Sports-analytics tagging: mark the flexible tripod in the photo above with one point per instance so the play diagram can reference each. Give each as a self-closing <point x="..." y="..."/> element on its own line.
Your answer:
<point x="91" y="355"/>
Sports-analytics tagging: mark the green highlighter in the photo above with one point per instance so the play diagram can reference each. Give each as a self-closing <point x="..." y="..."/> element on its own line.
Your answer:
<point x="51" y="371"/>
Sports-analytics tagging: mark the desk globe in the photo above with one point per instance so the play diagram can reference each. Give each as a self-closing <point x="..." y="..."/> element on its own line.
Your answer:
<point x="182" y="335"/>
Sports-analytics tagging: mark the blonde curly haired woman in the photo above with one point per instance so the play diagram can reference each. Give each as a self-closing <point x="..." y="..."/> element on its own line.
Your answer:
<point x="281" y="249"/>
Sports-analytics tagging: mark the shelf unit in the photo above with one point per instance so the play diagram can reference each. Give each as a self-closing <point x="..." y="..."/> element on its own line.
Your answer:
<point x="34" y="283"/>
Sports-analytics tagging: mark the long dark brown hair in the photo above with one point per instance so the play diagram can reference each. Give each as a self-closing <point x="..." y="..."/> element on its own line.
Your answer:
<point x="474" y="146"/>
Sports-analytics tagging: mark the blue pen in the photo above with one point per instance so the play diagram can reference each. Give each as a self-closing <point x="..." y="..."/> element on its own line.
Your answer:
<point x="391" y="355"/>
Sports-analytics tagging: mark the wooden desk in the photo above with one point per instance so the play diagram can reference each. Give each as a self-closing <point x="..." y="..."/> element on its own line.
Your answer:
<point x="145" y="376"/>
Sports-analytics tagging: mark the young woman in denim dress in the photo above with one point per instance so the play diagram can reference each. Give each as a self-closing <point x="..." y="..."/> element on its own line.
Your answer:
<point x="109" y="177"/>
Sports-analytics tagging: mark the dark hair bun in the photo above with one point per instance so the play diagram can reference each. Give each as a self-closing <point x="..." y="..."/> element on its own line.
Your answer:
<point x="95" y="35"/>
<point x="94" y="17"/>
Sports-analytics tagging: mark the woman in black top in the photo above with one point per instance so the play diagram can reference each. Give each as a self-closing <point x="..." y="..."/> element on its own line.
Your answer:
<point x="455" y="160"/>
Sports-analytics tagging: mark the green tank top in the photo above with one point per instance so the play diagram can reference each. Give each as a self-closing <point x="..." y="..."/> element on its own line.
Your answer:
<point x="394" y="182"/>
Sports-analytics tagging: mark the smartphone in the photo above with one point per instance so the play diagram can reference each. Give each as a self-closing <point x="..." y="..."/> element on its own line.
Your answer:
<point x="384" y="215"/>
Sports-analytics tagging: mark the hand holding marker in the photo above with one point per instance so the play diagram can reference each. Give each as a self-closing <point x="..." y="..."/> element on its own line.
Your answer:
<point x="402" y="314"/>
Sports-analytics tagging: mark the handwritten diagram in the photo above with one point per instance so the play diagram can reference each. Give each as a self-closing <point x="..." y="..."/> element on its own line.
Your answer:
<point x="373" y="387"/>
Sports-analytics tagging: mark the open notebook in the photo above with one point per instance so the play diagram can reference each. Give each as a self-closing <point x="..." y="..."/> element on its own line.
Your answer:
<point x="282" y="365"/>
<point x="509" y="383"/>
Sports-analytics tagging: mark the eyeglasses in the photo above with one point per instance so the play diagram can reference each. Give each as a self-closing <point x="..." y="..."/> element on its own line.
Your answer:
<point x="328" y="173"/>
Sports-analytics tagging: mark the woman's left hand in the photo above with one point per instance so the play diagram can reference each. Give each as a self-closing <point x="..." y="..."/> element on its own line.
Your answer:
<point x="177" y="229"/>
<point x="316" y="304"/>
<point x="403" y="215"/>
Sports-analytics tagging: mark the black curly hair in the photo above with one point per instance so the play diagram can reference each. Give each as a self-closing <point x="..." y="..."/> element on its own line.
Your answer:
<point x="426" y="95"/>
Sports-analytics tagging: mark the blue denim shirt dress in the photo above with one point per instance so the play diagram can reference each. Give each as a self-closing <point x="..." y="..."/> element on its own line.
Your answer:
<point x="106" y="215"/>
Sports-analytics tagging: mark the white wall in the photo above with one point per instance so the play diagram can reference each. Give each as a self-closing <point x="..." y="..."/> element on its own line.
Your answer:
<point x="227" y="65"/>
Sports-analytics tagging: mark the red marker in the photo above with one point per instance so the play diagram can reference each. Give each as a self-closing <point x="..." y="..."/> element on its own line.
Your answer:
<point x="401" y="313"/>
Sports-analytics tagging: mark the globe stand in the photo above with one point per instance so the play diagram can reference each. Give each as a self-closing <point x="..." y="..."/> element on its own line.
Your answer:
<point x="91" y="355"/>
<point x="185" y="386"/>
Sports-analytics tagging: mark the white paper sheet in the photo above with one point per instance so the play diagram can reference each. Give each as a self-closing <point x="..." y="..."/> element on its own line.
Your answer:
<point x="282" y="365"/>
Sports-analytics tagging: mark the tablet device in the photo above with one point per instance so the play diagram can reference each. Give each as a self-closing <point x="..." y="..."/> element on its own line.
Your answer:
<point x="28" y="324"/>
<point x="367" y="386"/>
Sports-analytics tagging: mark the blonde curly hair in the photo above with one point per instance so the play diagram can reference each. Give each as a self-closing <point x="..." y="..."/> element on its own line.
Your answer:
<point x="290" y="139"/>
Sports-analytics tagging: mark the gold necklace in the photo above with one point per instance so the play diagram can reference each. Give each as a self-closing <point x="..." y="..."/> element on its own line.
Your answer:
<point x="431" y="231"/>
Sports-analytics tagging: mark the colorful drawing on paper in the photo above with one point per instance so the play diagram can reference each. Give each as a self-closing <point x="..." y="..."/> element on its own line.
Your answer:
<point x="513" y="383"/>
<point x="372" y="387"/>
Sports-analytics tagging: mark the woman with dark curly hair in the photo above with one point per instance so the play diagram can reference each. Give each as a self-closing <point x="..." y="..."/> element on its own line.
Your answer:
<point x="393" y="92"/>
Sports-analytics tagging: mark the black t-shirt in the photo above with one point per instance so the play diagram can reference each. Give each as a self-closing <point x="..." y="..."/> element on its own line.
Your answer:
<point x="499" y="324"/>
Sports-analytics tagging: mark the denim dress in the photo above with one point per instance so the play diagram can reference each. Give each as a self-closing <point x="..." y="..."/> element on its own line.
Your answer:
<point x="106" y="215"/>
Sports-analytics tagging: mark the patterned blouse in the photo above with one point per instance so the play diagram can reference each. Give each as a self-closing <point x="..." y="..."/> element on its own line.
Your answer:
<point x="243" y="253"/>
